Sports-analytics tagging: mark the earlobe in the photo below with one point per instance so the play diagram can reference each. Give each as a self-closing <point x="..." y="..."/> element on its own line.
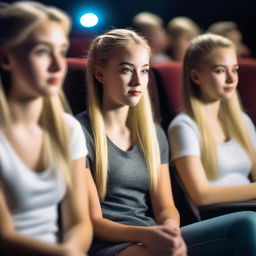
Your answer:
<point x="194" y="76"/>
<point x="98" y="73"/>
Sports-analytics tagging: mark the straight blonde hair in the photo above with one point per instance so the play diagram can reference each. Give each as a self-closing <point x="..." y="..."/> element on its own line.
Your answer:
<point x="140" y="117"/>
<point x="17" y="21"/>
<point x="230" y="112"/>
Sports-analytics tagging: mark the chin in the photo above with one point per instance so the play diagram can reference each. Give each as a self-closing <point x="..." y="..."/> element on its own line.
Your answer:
<point x="133" y="103"/>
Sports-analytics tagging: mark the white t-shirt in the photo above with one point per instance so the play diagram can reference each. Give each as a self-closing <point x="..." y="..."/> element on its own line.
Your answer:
<point x="233" y="162"/>
<point x="33" y="197"/>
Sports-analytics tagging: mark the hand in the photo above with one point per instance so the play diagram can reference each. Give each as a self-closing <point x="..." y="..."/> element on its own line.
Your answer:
<point x="162" y="240"/>
<point x="181" y="249"/>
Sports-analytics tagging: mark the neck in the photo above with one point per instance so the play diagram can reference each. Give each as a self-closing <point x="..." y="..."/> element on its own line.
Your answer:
<point x="212" y="109"/>
<point x="26" y="112"/>
<point x="115" y="117"/>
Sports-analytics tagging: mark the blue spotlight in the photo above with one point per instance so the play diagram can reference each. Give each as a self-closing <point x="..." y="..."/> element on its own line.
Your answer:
<point x="89" y="20"/>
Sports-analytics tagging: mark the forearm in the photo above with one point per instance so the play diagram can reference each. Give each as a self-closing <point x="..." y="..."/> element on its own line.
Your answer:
<point x="171" y="214"/>
<point x="79" y="236"/>
<point x="16" y="244"/>
<point x="224" y="194"/>
<point x="116" y="232"/>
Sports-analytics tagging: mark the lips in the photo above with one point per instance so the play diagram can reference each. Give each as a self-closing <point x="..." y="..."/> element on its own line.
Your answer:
<point x="54" y="80"/>
<point x="135" y="93"/>
<point x="229" y="89"/>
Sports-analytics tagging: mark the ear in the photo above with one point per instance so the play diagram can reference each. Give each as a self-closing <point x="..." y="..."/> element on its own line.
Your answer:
<point x="194" y="75"/>
<point x="98" y="73"/>
<point x="5" y="62"/>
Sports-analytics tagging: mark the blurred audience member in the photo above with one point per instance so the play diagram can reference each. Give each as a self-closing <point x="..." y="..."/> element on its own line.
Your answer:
<point x="181" y="31"/>
<point x="151" y="26"/>
<point x="230" y="30"/>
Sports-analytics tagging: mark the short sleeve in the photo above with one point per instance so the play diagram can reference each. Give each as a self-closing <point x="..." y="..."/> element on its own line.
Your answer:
<point x="183" y="137"/>
<point x="163" y="145"/>
<point x="251" y="128"/>
<point x="78" y="147"/>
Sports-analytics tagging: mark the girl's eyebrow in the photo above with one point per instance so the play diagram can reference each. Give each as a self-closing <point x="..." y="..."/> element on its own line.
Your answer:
<point x="130" y="64"/>
<point x="46" y="43"/>
<point x="221" y="65"/>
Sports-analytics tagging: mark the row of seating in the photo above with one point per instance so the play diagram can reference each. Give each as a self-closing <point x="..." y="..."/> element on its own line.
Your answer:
<point x="164" y="86"/>
<point x="166" y="93"/>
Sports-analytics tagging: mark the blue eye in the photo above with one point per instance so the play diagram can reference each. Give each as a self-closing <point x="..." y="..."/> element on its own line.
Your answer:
<point x="219" y="71"/>
<point x="145" y="71"/>
<point x="42" y="52"/>
<point x="126" y="70"/>
<point x="235" y="70"/>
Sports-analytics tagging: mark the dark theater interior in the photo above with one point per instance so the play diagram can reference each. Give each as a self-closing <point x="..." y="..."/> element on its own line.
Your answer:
<point x="210" y="182"/>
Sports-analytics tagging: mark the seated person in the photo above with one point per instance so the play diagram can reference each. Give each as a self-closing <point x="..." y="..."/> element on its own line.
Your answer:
<point x="42" y="148"/>
<point x="230" y="30"/>
<point x="151" y="26"/>
<point x="213" y="142"/>
<point x="181" y="30"/>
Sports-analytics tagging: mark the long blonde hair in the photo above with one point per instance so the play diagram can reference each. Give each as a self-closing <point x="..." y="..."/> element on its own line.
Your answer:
<point x="230" y="112"/>
<point x="17" y="21"/>
<point x="140" y="117"/>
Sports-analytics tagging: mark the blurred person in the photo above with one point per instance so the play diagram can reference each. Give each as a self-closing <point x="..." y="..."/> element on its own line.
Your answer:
<point x="230" y="30"/>
<point x="42" y="149"/>
<point x="181" y="30"/>
<point x="213" y="142"/>
<point x="151" y="26"/>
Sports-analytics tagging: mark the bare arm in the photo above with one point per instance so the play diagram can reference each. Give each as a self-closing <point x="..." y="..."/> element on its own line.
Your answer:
<point x="162" y="199"/>
<point x="77" y="227"/>
<point x="193" y="176"/>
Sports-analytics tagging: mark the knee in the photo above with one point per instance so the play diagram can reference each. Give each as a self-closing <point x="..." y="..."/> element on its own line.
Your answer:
<point x="243" y="224"/>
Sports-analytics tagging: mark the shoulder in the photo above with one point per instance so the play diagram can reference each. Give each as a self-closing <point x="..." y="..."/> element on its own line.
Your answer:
<point x="71" y="121"/>
<point x="160" y="132"/>
<point x="183" y="121"/>
<point x="251" y="127"/>
<point x="247" y="120"/>
<point x="84" y="120"/>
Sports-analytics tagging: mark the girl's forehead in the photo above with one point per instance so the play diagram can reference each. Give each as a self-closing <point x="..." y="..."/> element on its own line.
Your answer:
<point x="130" y="51"/>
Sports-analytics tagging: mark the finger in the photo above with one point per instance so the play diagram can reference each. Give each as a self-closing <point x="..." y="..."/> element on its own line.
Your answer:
<point x="171" y="231"/>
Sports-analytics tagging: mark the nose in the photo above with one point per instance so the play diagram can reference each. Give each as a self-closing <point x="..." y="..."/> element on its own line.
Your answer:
<point x="57" y="63"/>
<point x="135" y="79"/>
<point x="230" y="77"/>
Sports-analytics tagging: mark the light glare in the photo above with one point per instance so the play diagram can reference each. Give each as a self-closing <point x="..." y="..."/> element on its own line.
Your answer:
<point x="89" y="20"/>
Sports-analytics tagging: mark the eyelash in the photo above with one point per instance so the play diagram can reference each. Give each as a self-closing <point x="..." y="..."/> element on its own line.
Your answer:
<point x="220" y="71"/>
<point x="41" y="52"/>
<point x="143" y="71"/>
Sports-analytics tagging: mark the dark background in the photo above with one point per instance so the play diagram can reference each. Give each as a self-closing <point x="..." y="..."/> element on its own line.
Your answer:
<point x="118" y="13"/>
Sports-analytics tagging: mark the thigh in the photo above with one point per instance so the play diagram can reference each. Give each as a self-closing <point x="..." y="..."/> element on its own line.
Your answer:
<point x="110" y="249"/>
<point x="231" y="234"/>
<point x="135" y="250"/>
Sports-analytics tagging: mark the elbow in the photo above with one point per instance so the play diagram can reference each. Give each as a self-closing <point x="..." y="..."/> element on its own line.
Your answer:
<point x="201" y="198"/>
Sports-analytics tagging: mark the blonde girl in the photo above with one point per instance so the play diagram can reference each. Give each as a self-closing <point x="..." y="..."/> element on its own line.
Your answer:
<point x="42" y="149"/>
<point x="213" y="142"/>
